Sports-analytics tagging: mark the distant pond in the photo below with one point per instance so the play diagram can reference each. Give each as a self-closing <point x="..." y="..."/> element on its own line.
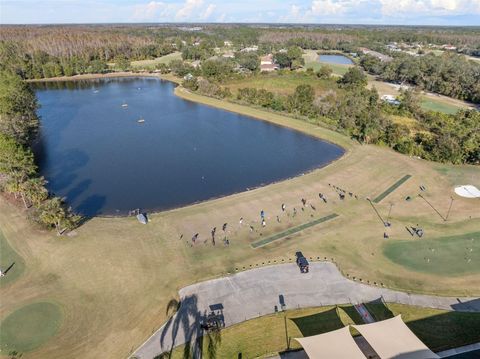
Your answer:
<point x="113" y="145"/>
<point x="335" y="59"/>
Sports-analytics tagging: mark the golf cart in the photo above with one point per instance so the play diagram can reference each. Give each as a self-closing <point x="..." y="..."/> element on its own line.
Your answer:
<point x="302" y="262"/>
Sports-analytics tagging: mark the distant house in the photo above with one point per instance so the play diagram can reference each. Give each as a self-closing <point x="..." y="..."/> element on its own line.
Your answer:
<point x="228" y="54"/>
<point x="267" y="63"/>
<point x="188" y="76"/>
<point x="449" y="47"/>
<point x="392" y="100"/>
<point x="250" y="49"/>
<point x="378" y="55"/>
<point x="227" y="43"/>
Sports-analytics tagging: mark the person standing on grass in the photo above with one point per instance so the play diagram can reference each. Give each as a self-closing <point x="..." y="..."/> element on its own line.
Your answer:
<point x="262" y="214"/>
<point x="283" y="207"/>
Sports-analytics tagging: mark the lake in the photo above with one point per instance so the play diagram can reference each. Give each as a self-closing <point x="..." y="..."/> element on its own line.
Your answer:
<point x="335" y="59"/>
<point x="157" y="151"/>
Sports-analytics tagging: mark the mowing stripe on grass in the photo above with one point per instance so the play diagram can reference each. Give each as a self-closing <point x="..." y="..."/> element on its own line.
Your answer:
<point x="392" y="188"/>
<point x="289" y="231"/>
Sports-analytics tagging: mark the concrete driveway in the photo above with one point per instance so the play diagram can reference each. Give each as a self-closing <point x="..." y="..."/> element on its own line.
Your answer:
<point x="262" y="291"/>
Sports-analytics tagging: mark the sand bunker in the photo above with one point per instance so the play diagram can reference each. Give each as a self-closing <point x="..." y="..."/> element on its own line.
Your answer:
<point x="468" y="191"/>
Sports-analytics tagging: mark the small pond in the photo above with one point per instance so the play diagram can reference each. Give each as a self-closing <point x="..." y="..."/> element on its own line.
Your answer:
<point x="335" y="59"/>
<point x="113" y="145"/>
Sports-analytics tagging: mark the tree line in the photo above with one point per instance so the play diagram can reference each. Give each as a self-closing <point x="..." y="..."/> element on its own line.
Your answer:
<point x="18" y="171"/>
<point x="450" y="74"/>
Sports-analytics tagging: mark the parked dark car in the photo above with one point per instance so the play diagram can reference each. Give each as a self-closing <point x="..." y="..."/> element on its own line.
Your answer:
<point x="302" y="262"/>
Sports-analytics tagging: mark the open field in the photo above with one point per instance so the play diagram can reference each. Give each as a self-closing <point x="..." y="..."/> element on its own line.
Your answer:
<point x="284" y="84"/>
<point x="439" y="106"/>
<point x="114" y="277"/>
<point x="271" y="334"/>
<point x="146" y="64"/>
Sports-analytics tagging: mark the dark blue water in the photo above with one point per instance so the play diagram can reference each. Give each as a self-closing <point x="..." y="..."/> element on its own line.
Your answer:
<point x="475" y="354"/>
<point x="96" y="154"/>
<point x="335" y="59"/>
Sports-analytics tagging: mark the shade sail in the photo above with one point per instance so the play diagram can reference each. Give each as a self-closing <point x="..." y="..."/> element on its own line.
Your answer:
<point x="392" y="339"/>
<point x="337" y="344"/>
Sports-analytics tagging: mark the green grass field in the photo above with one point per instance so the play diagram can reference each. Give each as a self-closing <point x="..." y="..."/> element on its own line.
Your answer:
<point x="29" y="327"/>
<point x="438" y="329"/>
<point x="439" y="106"/>
<point x="10" y="262"/>
<point x="150" y="64"/>
<point x="451" y="255"/>
<point x="338" y="70"/>
<point x="114" y="278"/>
<point x="283" y="84"/>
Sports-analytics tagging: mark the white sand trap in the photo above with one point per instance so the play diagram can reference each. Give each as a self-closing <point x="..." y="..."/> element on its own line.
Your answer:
<point x="468" y="191"/>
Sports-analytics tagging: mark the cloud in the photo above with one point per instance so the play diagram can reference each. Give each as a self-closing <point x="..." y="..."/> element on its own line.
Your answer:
<point x="188" y="7"/>
<point x="408" y="8"/>
<point x="208" y="12"/>
<point x="329" y="7"/>
<point x="154" y="10"/>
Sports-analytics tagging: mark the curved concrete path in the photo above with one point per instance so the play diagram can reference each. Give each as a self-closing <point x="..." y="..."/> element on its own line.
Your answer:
<point x="261" y="291"/>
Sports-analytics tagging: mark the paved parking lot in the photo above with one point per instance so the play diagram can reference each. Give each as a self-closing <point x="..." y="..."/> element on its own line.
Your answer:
<point x="261" y="291"/>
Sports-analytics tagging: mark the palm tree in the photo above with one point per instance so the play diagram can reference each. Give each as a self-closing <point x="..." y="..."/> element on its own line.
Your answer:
<point x="33" y="191"/>
<point x="52" y="213"/>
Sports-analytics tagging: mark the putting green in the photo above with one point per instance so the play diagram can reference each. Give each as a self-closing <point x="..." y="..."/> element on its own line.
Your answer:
<point x="448" y="256"/>
<point x="10" y="262"/>
<point x="29" y="327"/>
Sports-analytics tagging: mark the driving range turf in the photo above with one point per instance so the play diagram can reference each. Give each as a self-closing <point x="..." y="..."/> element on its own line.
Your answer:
<point x="114" y="277"/>
<point x="451" y="255"/>
<point x="29" y="327"/>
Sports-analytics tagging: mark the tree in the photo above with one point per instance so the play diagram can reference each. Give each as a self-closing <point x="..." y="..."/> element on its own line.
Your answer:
<point x="282" y="59"/>
<point x="409" y="101"/>
<point x="53" y="213"/>
<point x="16" y="162"/>
<point x="248" y="60"/>
<point x="122" y="63"/>
<point x="190" y="83"/>
<point x="217" y="69"/>
<point x="353" y="77"/>
<point x="324" y="72"/>
<point x="33" y="191"/>
<point x="18" y="106"/>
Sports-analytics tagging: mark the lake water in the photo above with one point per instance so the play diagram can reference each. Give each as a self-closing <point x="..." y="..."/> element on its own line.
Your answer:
<point x="94" y="152"/>
<point x="335" y="59"/>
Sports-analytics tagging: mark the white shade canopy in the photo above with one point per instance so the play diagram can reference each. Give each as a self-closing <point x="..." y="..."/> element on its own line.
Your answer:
<point x="392" y="339"/>
<point x="337" y="344"/>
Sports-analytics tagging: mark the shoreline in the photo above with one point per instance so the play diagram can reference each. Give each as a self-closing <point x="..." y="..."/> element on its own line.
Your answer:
<point x="304" y="127"/>
<point x="166" y="77"/>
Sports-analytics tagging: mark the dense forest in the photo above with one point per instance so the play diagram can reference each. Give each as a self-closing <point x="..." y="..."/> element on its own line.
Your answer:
<point x="451" y="75"/>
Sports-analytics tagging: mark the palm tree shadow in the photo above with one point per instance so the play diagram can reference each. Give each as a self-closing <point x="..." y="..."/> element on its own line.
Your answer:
<point x="187" y="319"/>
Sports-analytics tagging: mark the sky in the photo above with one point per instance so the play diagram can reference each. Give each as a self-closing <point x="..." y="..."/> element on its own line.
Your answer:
<point x="386" y="12"/>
